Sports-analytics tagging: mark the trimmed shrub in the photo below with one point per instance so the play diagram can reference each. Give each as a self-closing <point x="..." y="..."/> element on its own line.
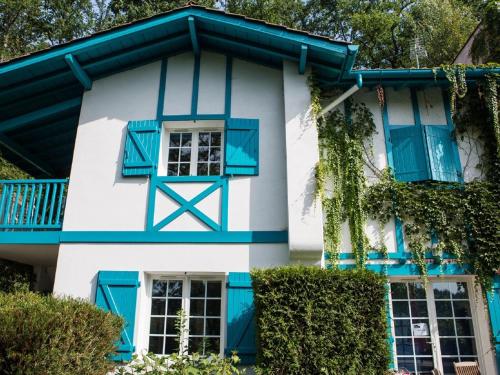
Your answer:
<point x="15" y="276"/>
<point x="317" y="321"/>
<point x="47" y="335"/>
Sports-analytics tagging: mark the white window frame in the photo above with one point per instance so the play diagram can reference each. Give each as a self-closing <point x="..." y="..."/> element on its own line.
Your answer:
<point x="195" y="132"/>
<point x="475" y="299"/>
<point x="186" y="293"/>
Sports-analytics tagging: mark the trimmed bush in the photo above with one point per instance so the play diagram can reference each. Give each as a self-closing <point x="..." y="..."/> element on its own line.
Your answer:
<point x="15" y="276"/>
<point x="47" y="335"/>
<point x="317" y="321"/>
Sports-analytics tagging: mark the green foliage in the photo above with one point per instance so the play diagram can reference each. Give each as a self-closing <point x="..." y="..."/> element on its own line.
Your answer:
<point x="9" y="171"/>
<point x="175" y="364"/>
<point x="486" y="45"/>
<point x="320" y="321"/>
<point x="341" y="170"/>
<point x="15" y="276"/>
<point x="48" y="335"/>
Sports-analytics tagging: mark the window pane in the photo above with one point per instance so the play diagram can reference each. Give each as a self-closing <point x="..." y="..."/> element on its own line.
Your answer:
<point x="466" y="346"/>
<point x="173" y="306"/>
<point x="398" y="291"/>
<point x="155" y="345"/>
<point x="175" y="288"/>
<point x="157" y="326"/>
<point x="196" y="326"/>
<point x="203" y="154"/>
<point x="448" y="346"/>
<point x="406" y="363"/>
<point x="175" y="139"/>
<point x="197" y="288"/>
<point x="417" y="290"/>
<point x="402" y="327"/>
<point x="171" y="345"/>
<point x="197" y="307"/>
<point x="214" y="169"/>
<point x="425" y="364"/>
<point x="171" y="326"/>
<point x="446" y="327"/>
<point x="213" y="327"/>
<point x="215" y="139"/>
<point x="159" y="288"/>
<point x="441" y="290"/>
<point x="158" y="307"/>
<point x="418" y="308"/>
<point x="185" y="154"/>
<point x="404" y="346"/>
<point x="204" y="139"/>
<point x="213" y="307"/>
<point x="186" y="140"/>
<point x="173" y="155"/>
<point x="202" y="169"/>
<point x="461" y="308"/>
<point x="460" y="291"/>
<point x="195" y="345"/>
<point x="464" y="327"/>
<point x="400" y="309"/>
<point x="173" y="169"/>
<point x="215" y="154"/>
<point x="184" y="169"/>
<point x="448" y="365"/>
<point x="212" y="345"/>
<point x="214" y="288"/>
<point x="423" y="346"/>
<point x="443" y="309"/>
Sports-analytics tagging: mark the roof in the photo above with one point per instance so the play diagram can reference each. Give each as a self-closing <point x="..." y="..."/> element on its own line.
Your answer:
<point x="40" y="93"/>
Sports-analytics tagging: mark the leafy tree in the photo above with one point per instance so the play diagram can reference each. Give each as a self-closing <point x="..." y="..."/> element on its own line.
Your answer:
<point x="486" y="46"/>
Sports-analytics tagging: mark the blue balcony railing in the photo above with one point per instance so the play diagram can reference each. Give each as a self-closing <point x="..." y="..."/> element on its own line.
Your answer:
<point x="32" y="204"/>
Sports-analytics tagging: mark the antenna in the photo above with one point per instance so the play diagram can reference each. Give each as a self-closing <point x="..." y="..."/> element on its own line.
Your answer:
<point x="417" y="50"/>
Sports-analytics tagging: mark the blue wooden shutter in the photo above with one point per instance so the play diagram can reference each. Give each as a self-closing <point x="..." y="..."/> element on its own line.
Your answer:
<point x="117" y="292"/>
<point x="241" y="317"/>
<point x="440" y="148"/>
<point x="141" y="148"/>
<point x="494" y="308"/>
<point x="242" y="147"/>
<point x="409" y="154"/>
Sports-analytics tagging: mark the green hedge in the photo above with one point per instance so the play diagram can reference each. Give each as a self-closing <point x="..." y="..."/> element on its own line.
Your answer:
<point x="46" y="335"/>
<point x="15" y="276"/>
<point x="317" y="321"/>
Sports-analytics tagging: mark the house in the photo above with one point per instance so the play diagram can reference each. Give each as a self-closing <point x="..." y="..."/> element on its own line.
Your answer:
<point x="174" y="154"/>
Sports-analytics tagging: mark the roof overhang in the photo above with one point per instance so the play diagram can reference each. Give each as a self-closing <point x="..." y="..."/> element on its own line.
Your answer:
<point x="40" y="94"/>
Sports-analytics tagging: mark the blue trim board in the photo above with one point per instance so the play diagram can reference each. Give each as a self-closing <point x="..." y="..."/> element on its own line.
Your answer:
<point x="78" y="71"/>
<point x="57" y="237"/>
<point x="302" y="59"/>
<point x="193" y="117"/>
<point x="192" y="34"/>
<point x="228" y="92"/>
<point x="196" y="86"/>
<point x="412" y="269"/>
<point x="161" y="92"/>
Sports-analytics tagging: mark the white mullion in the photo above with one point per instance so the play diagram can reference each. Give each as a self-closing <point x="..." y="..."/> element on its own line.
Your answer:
<point x="393" y="326"/>
<point x="193" y="164"/>
<point x="184" y="338"/>
<point x="433" y="326"/>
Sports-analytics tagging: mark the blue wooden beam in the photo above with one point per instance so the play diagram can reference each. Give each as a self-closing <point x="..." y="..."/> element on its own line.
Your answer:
<point x="25" y="155"/>
<point x="78" y="71"/>
<point x="194" y="38"/>
<point x="40" y="114"/>
<point x="303" y="59"/>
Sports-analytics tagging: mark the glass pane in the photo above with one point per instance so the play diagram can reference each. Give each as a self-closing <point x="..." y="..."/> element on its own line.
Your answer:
<point x="417" y="290"/>
<point x="197" y="288"/>
<point x="214" y="169"/>
<point x="406" y="363"/>
<point x="404" y="346"/>
<point x="203" y="154"/>
<point x="175" y="139"/>
<point x="173" y="169"/>
<point x="423" y="346"/>
<point x="448" y="365"/>
<point x="202" y="169"/>
<point x="402" y="327"/>
<point x="173" y="306"/>
<point x="398" y="291"/>
<point x="466" y="346"/>
<point x="197" y="307"/>
<point x="196" y="326"/>
<point x="461" y="308"/>
<point x="157" y="326"/>
<point x="464" y="327"/>
<point x="195" y="345"/>
<point x="185" y="154"/>
<point x="420" y="327"/>
<point x="448" y="346"/>
<point x="443" y="309"/>
<point x="175" y="288"/>
<point x="213" y="327"/>
<point x="446" y="327"/>
<point x="215" y="139"/>
<point x="186" y="140"/>
<point x="418" y="308"/>
<point x="155" y="345"/>
<point x="425" y="364"/>
<point x="159" y="288"/>
<point x="441" y="290"/>
<point x="158" y="306"/>
<point x="184" y="169"/>
<point x="213" y="307"/>
<point x="215" y="154"/>
<point x="171" y="345"/>
<point x="214" y="288"/>
<point x="204" y="139"/>
<point x="459" y="291"/>
<point x="171" y="326"/>
<point x="212" y="345"/>
<point x="400" y="309"/>
<point x="173" y="154"/>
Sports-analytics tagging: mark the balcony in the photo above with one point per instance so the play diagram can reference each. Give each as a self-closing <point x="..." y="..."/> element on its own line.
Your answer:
<point x="32" y="205"/>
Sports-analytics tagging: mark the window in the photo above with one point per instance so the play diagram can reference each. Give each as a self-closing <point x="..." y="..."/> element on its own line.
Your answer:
<point x="199" y="302"/>
<point x="194" y="153"/>
<point x="432" y="325"/>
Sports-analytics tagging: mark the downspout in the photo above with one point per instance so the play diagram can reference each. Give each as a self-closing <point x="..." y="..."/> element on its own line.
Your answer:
<point x="344" y="96"/>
